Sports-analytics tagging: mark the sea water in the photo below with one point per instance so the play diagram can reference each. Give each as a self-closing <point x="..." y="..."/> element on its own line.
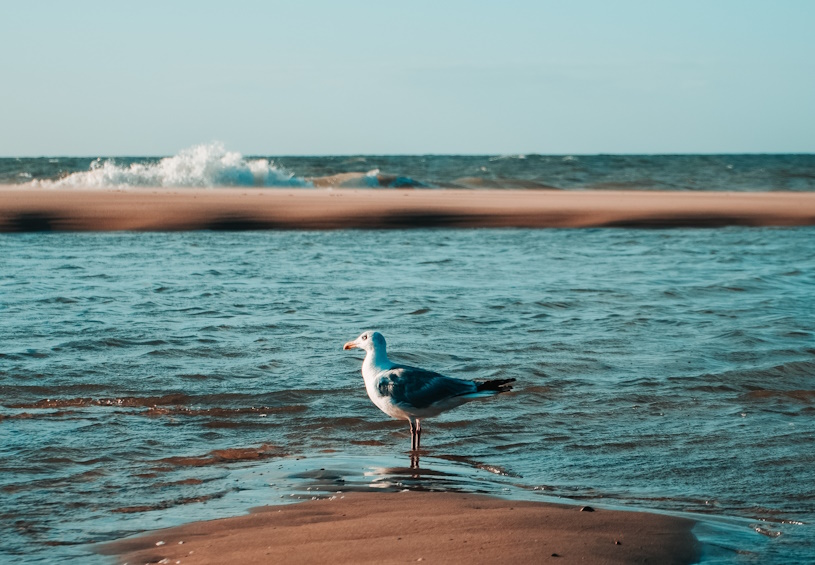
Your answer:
<point x="214" y="164"/>
<point x="150" y="379"/>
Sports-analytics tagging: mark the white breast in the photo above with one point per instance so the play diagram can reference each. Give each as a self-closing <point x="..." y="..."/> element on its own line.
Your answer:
<point x="370" y="372"/>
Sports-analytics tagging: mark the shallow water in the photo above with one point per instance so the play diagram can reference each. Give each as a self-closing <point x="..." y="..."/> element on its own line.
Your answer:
<point x="154" y="378"/>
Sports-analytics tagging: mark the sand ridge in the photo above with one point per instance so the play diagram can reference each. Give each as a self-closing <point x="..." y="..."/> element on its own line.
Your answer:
<point x="411" y="527"/>
<point x="24" y="208"/>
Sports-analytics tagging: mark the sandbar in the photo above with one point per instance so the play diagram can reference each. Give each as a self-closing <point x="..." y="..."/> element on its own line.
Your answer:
<point x="25" y="208"/>
<point x="415" y="526"/>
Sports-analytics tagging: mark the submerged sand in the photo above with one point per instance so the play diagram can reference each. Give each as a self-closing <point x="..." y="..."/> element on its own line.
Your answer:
<point x="429" y="527"/>
<point x="23" y="208"/>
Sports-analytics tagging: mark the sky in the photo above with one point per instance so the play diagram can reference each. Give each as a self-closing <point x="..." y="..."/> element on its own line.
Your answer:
<point x="90" y="78"/>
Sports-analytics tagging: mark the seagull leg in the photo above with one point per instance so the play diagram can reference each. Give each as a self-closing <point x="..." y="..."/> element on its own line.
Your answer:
<point x="414" y="443"/>
<point x="415" y="433"/>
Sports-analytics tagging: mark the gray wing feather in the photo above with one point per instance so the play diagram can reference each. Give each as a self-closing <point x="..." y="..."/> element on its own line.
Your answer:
<point x="420" y="388"/>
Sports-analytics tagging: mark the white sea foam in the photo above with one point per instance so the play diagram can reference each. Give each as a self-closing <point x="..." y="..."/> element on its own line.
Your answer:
<point x="519" y="156"/>
<point x="372" y="178"/>
<point x="202" y="165"/>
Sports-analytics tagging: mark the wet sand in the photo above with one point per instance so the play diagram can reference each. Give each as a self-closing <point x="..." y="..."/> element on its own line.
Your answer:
<point x="143" y="209"/>
<point x="429" y="527"/>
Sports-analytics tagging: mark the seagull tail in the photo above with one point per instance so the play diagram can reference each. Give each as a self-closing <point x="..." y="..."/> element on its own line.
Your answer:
<point x="496" y="385"/>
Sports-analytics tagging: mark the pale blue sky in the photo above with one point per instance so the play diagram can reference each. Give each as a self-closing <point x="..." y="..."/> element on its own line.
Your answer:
<point x="321" y="77"/>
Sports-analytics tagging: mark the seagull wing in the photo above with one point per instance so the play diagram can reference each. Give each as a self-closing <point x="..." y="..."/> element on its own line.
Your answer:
<point x="420" y="388"/>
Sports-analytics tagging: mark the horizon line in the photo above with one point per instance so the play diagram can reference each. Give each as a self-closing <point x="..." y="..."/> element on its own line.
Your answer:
<point x="513" y="154"/>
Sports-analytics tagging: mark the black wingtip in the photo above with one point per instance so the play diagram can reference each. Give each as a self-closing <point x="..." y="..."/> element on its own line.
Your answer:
<point x="498" y="385"/>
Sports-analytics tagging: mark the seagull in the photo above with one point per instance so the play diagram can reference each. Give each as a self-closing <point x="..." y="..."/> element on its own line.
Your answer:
<point x="410" y="393"/>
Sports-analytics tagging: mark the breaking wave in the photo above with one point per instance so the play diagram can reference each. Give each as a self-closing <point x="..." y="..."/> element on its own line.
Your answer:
<point x="205" y="165"/>
<point x="212" y="165"/>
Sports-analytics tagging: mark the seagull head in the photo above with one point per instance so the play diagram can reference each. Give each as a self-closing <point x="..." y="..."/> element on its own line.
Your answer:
<point x="367" y="341"/>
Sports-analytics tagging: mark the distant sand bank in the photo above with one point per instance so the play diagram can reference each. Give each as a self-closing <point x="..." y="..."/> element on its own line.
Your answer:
<point x="42" y="209"/>
<point x="428" y="527"/>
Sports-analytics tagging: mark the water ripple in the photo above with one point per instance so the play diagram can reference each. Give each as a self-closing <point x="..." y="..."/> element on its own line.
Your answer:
<point x="141" y="372"/>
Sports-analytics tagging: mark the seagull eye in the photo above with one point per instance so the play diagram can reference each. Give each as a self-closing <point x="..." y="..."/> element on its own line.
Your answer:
<point x="364" y="337"/>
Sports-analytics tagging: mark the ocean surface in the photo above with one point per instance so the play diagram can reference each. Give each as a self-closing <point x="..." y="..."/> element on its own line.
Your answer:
<point x="214" y="165"/>
<point x="150" y="379"/>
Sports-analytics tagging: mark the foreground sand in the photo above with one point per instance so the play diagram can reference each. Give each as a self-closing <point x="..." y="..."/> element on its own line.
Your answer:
<point x="419" y="526"/>
<point x="42" y="209"/>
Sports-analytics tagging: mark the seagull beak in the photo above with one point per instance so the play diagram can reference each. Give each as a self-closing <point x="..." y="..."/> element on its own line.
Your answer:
<point x="350" y="345"/>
